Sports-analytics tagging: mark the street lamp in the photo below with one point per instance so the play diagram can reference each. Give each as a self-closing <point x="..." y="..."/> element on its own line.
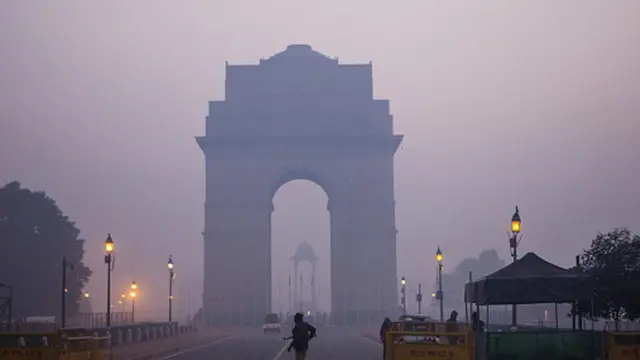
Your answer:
<point x="439" y="294"/>
<point x="514" y="241"/>
<point x="134" y="287"/>
<point x="171" y="273"/>
<point x="515" y="221"/>
<point x="419" y="298"/>
<point x="109" y="259"/>
<point x="403" y="282"/>
<point x="65" y="290"/>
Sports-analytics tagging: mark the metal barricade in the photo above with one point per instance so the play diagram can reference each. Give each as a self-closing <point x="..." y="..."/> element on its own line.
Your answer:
<point x="66" y="344"/>
<point x="28" y="346"/>
<point x="423" y="340"/>
<point x="622" y="345"/>
<point x="86" y="348"/>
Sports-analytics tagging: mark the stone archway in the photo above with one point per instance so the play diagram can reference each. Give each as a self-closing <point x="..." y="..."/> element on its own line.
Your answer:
<point x="299" y="115"/>
<point x="304" y="253"/>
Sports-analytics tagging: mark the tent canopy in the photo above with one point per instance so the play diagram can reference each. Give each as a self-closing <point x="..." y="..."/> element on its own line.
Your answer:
<point x="529" y="280"/>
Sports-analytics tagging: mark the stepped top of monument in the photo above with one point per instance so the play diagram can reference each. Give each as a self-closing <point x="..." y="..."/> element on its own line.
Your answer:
<point x="299" y="53"/>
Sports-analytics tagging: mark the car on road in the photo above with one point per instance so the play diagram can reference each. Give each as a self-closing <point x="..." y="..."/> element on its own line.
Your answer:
<point x="272" y="324"/>
<point x="421" y="318"/>
<point x="418" y="323"/>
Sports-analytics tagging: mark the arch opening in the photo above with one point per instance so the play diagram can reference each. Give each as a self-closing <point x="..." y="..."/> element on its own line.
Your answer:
<point x="300" y="232"/>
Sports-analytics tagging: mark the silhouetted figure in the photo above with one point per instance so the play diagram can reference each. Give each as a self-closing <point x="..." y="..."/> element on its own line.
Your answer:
<point x="386" y="326"/>
<point x="476" y="323"/>
<point x="301" y="333"/>
<point x="452" y="327"/>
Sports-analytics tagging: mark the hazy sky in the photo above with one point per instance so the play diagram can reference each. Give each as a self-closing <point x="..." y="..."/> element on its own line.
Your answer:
<point x="534" y="103"/>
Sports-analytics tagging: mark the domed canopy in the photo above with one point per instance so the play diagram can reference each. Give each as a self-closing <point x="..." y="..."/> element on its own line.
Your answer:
<point x="299" y="53"/>
<point x="305" y="252"/>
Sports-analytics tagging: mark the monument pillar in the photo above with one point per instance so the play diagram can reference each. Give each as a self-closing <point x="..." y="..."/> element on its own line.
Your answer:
<point x="237" y="284"/>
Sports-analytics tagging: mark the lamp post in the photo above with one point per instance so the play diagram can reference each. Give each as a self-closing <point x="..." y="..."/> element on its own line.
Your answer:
<point x="171" y="273"/>
<point x="403" y="282"/>
<point x="513" y="247"/>
<point x="439" y="294"/>
<point x="123" y="297"/>
<point x="419" y="299"/>
<point x="109" y="259"/>
<point x="65" y="290"/>
<point x="134" y="287"/>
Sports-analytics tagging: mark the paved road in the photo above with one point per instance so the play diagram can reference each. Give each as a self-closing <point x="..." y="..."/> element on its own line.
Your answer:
<point x="331" y="344"/>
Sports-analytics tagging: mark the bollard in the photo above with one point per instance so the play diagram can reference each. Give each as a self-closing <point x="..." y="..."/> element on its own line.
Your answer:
<point x="138" y="335"/>
<point x="146" y="334"/>
<point x="21" y="342"/>
<point x="129" y="336"/>
<point x="109" y="339"/>
<point x="119" y="337"/>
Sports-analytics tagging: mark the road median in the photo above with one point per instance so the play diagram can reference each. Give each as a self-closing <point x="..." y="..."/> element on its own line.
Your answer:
<point x="159" y="348"/>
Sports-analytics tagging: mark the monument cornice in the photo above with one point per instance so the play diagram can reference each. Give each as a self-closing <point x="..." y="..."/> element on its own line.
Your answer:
<point x="391" y="142"/>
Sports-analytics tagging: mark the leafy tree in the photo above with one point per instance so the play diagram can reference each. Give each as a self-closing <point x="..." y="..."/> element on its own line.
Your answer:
<point x="34" y="237"/>
<point x="453" y="283"/>
<point x="613" y="265"/>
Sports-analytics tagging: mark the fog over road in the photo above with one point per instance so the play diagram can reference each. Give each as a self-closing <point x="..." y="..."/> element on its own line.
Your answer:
<point x="251" y="344"/>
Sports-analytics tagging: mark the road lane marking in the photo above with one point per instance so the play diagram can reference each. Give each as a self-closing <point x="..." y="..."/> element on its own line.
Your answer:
<point x="369" y="340"/>
<point x="284" y="348"/>
<point x="196" y="348"/>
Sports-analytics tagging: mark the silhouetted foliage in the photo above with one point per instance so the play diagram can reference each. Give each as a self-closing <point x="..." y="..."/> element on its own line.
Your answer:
<point x="453" y="283"/>
<point x="34" y="236"/>
<point x="613" y="264"/>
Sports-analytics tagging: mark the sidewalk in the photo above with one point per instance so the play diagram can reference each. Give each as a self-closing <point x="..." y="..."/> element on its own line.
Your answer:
<point x="162" y="347"/>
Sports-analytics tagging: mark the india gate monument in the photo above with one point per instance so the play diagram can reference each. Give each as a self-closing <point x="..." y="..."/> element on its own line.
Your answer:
<point x="299" y="115"/>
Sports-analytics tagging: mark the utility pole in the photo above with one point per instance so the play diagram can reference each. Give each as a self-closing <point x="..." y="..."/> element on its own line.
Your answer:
<point x="403" y="290"/>
<point x="64" y="292"/>
<point x="419" y="299"/>
<point x="289" y="294"/>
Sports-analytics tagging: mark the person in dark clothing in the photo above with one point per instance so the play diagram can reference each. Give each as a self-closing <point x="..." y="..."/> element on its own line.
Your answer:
<point x="476" y="323"/>
<point x="386" y="326"/>
<point x="451" y="326"/>
<point x="301" y="333"/>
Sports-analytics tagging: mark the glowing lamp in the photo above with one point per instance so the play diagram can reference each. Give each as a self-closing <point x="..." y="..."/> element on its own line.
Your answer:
<point x="108" y="245"/>
<point x="515" y="222"/>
